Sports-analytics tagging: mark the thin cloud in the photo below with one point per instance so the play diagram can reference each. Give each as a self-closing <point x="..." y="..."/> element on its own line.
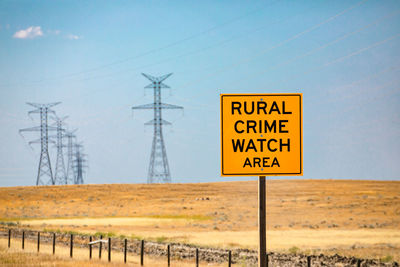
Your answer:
<point x="29" y="33"/>
<point x="73" y="37"/>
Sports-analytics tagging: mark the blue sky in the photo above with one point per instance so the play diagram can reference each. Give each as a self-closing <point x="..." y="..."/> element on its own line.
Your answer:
<point x="342" y="55"/>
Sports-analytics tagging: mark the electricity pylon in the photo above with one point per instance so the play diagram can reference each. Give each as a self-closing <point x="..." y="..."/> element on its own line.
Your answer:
<point x="158" y="168"/>
<point x="60" y="176"/>
<point x="79" y="164"/>
<point x="71" y="174"/>
<point x="44" y="162"/>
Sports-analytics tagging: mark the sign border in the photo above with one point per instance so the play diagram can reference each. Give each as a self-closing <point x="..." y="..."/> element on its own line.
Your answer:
<point x="300" y="95"/>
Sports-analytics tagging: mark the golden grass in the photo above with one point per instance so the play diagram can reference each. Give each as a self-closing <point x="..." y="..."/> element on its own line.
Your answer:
<point x="15" y="256"/>
<point x="313" y="215"/>
<point x="113" y="221"/>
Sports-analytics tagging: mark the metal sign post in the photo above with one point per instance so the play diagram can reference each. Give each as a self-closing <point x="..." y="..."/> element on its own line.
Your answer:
<point x="262" y="227"/>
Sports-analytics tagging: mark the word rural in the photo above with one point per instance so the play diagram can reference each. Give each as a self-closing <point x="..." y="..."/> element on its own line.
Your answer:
<point x="261" y="134"/>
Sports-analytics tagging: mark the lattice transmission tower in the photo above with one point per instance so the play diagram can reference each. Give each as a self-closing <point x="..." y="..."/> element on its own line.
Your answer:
<point x="79" y="164"/>
<point x="71" y="172"/>
<point x="60" y="175"/>
<point x="44" y="162"/>
<point x="158" y="168"/>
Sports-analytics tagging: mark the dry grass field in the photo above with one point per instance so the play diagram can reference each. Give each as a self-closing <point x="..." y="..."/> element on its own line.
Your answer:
<point x="29" y="257"/>
<point x="359" y="218"/>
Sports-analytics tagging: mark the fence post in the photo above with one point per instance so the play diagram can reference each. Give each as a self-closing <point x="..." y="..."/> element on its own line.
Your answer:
<point x="109" y="249"/>
<point x="71" y="245"/>
<point x="9" y="238"/>
<point x="308" y="261"/>
<point x="54" y="243"/>
<point x="266" y="259"/>
<point x="100" y="245"/>
<point x="169" y="255"/>
<point x="38" y="241"/>
<point x="197" y="257"/>
<point x="23" y="239"/>
<point x="125" y="248"/>
<point x="229" y="258"/>
<point x="90" y="247"/>
<point x="141" y="252"/>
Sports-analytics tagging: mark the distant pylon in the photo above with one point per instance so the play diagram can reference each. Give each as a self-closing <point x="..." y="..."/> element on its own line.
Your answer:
<point x="158" y="168"/>
<point x="60" y="175"/>
<point x="71" y="174"/>
<point x="79" y="164"/>
<point x="44" y="162"/>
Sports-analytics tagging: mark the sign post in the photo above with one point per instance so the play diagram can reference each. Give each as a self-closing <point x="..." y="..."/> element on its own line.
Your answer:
<point x="261" y="134"/>
<point x="262" y="225"/>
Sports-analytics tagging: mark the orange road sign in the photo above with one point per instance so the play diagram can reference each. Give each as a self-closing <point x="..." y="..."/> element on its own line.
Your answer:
<point x="261" y="134"/>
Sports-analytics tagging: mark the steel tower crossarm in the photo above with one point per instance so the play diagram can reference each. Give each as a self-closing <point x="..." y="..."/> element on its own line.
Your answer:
<point x="37" y="105"/>
<point x="157" y="105"/>
<point x="39" y="141"/>
<point x="37" y="129"/>
<point x="157" y="79"/>
<point x="154" y="122"/>
<point x="31" y="129"/>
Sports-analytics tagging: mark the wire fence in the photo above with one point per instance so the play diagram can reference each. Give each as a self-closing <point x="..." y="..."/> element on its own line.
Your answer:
<point x="171" y="251"/>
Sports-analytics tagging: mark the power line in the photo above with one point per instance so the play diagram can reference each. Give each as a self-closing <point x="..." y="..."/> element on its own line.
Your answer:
<point x="363" y="49"/>
<point x="172" y="44"/>
<point x="202" y="49"/>
<point x="294" y="37"/>
<point x="369" y="77"/>
<point x="313" y="51"/>
<point x="194" y="51"/>
<point x="358" y="106"/>
<point x="359" y="51"/>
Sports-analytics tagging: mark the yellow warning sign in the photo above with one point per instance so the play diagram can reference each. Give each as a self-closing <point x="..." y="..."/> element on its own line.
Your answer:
<point x="261" y="134"/>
